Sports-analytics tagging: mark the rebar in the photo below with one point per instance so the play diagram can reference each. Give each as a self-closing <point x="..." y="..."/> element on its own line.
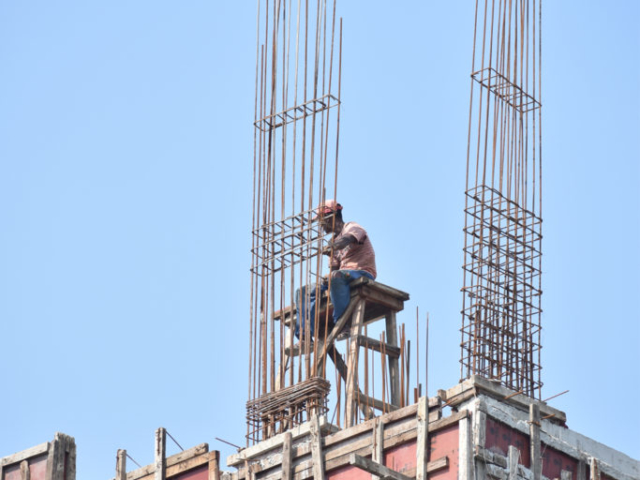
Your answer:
<point x="295" y="164"/>
<point x="501" y="305"/>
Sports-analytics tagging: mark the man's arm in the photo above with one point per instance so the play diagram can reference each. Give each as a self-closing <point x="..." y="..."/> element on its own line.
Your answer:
<point x="341" y="243"/>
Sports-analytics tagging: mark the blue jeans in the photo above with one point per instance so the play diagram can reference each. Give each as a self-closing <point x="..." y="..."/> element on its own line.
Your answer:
<point x="340" y="297"/>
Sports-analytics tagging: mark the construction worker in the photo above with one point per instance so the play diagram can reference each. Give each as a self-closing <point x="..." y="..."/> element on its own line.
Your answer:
<point x="351" y="256"/>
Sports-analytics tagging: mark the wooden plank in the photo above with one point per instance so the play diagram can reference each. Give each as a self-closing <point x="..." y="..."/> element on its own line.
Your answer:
<point x="303" y="470"/>
<point x="399" y="429"/>
<point x="594" y="469"/>
<point x="342" y="321"/>
<point x="287" y="472"/>
<point x="422" y="445"/>
<point x="381" y="287"/>
<point x="186" y="465"/>
<point x="25" y="454"/>
<point x="394" y="371"/>
<point x="121" y="465"/>
<point x="71" y="459"/>
<point x="352" y="365"/>
<point x="55" y="459"/>
<point x="582" y="470"/>
<point x="367" y="401"/>
<point x="381" y="298"/>
<point x="465" y="446"/>
<point x="565" y="475"/>
<point x="534" y="435"/>
<point x="376" y="345"/>
<point x="514" y="462"/>
<point x="25" y="474"/>
<point x="316" y="449"/>
<point x="381" y="472"/>
<point x="377" y="445"/>
<point x="272" y="443"/>
<point x="214" y="465"/>
<point x="368" y="425"/>
<point x="480" y="437"/>
<point x="471" y="387"/>
<point x="160" y="464"/>
<point x="438" y="464"/>
<point x="393" y="436"/>
<point x="149" y="470"/>
<point x="335" y="356"/>
<point x="338" y="446"/>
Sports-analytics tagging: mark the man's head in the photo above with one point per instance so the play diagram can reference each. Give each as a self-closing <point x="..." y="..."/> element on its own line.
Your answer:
<point x="329" y="214"/>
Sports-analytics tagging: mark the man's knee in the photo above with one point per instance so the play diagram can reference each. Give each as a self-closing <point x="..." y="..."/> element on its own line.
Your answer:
<point x="338" y="276"/>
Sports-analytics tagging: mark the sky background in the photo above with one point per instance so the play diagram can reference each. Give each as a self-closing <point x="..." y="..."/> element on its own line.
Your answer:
<point x="126" y="150"/>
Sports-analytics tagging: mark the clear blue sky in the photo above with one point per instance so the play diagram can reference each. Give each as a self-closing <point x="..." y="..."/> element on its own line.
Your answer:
<point x="125" y="186"/>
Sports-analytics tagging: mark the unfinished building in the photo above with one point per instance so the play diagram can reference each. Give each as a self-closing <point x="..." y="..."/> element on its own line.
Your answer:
<point x="326" y="409"/>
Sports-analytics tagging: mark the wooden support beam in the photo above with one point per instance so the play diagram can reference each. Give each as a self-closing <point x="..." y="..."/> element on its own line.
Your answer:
<point x="214" y="465"/>
<point x="423" y="439"/>
<point x="55" y="460"/>
<point x="377" y="445"/>
<point x="25" y="474"/>
<point x="394" y="371"/>
<point x="479" y="422"/>
<point x="71" y="458"/>
<point x="342" y="321"/>
<point x="352" y="365"/>
<point x="513" y="462"/>
<point x="121" y="465"/>
<point x="382" y="472"/>
<point x="316" y="449"/>
<point x="465" y="446"/>
<point x="160" y="463"/>
<point x="376" y="345"/>
<point x="287" y="471"/>
<point x="582" y="470"/>
<point x="594" y="469"/>
<point x="534" y="434"/>
<point x="366" y="401"/>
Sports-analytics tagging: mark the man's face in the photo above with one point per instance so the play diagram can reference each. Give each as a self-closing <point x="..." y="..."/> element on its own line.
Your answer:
<point x="327" y="223"/>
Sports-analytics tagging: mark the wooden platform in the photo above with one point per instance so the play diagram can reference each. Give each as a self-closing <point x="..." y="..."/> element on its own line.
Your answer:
<point x="380" y="300"/>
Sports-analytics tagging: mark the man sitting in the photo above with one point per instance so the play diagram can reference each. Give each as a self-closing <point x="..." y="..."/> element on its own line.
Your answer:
<point x="351" y="256"/>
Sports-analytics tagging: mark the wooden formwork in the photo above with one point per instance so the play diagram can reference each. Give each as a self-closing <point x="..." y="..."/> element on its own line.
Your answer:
<point x="196" y="463"/>
<point x="491" y="433"/>
<point x="55" y="460"/>
<point x="406" y="443"/>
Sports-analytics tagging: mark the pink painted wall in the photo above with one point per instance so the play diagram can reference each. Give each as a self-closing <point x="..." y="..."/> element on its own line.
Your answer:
<point x="348" y="473"/>
<point x="446" y="443"/>
<point x="12" y="472"/>
<point x="37" y="469"/>
<point x="403" y="457"/>
<point x="500" y="436"/>
<point x="553" y="462"/>
<point x="200" y="473"/>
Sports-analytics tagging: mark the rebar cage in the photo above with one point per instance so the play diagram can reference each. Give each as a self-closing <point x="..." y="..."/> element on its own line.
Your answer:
<point x="501" y="306"/>
<point x="296" y="120"/>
